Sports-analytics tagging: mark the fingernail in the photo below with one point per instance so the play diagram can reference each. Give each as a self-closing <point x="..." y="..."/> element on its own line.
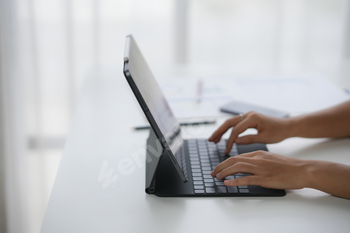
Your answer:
<point x="239" y="140"/>
<point x="227" y="182"/>
<point x="212" y="173"/>
<point x="218" y="176"/>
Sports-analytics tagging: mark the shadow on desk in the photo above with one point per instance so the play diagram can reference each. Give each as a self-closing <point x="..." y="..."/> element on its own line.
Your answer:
<point x="326" y="149"/>
<point x="302" y="200"/>
<point x="334" y="150"/>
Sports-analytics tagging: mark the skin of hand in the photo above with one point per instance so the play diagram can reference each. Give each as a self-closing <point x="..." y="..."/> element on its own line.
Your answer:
<point x="280" y="172"/>
<point x="332" y="122"/>
<point x="276" y="171"/>
<point x="270" y="130"/>
<point x="267" y="170"/>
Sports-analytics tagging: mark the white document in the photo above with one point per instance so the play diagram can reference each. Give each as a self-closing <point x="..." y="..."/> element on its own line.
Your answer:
<point x="294" y="94"/>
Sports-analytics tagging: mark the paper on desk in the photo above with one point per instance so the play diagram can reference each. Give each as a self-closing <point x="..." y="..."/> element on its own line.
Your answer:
<point x="182" y="97"/>
<point x="301" y="94"/>
<point x="294" y="94"/>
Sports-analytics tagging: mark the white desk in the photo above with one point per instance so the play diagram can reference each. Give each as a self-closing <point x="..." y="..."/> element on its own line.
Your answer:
<point x="102" y="131"/>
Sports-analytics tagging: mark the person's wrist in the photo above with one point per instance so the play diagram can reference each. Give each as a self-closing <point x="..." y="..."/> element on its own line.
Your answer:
<point x="309" y="168"/>
<point x="293" y="127"/>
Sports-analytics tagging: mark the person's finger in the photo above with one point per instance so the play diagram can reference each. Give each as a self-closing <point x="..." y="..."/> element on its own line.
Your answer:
<point x="250" y="154"/>
<point x="216" y="136"/>
<point x="249" y="139"/>
<point x="229" y="162"/>
<point x="238" y="129"/>
<point x="239" y="167"/>
<point x="246" y="180"/>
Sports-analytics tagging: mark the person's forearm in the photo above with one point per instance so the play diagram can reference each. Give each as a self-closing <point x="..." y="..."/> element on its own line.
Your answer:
<point x="329" y="177"/>
<point x="333" y="122"/>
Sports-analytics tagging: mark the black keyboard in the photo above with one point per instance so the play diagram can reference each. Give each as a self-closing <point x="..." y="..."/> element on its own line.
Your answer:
<point x="204" y="157"/>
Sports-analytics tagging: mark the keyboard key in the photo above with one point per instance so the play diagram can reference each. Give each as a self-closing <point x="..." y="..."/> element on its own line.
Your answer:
<point x="216" y="180"/>
<point x="208" y="180"/>
<point x="197" y="178"/>
<point x="205" y="164"/>
<point x="238" y="176"/>
<point x="215" y="160"/>
<point x="196" y="170"/>
<point x="210" y="190"/>
<point x="207" y="177"/>
<point x="198" y="191"/>
<point x="194" y="159"/>
<point x="195" y="166"/>
<point x="243" y="187"/>
<point x="219" y="183"/>
<point x="195" y="162"/>
<point x="244" y="190"/>
<point x="229" y="177"/>
<point x="232" y="189"/>
<point x="221" y="189"/>
<point x="209" y="184"/>
<point x="198" y="187"/>
<point x="196" y="174"/>
<point x="207" y="172"/>
<point x="207" y="168"/>
<point x="197" y="182"/>
<point x="205" y="160"/>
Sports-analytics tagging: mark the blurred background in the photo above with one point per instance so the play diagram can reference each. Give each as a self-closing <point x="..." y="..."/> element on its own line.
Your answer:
<point x="47" y="48"/>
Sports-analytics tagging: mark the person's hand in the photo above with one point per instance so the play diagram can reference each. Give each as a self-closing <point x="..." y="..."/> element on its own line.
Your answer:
<point x="267" y="170"/>
<point x="270" y="130"/>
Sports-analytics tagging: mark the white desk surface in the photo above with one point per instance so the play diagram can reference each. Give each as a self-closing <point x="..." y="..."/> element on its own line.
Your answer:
<point x="101" y="132"/>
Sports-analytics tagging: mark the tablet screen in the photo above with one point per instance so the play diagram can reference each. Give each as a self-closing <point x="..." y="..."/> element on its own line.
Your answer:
<point x="153" y="97"/>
